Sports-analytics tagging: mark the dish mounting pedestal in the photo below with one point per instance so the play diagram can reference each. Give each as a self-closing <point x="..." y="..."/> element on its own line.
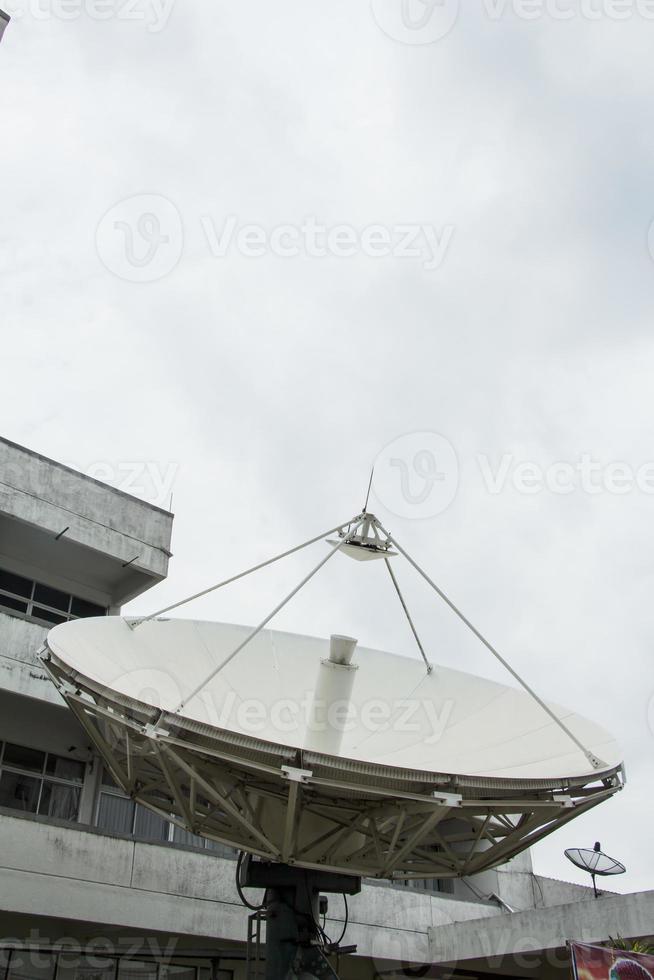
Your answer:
<point x="295" y="945"/>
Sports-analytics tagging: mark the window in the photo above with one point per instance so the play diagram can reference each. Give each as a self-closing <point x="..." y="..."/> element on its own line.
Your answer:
<point x="23" y="757"/>
<point x="443" y="885"/>
<point x="15" y="583"/>
<point x="180" y="836"/>
<point x="185" y="837"/>
<point x="42" y="602"/>
<point x="28" y="965"/>
<point x="73" y="966"/>
<point x="81" y="608"/>
<point x="33" y="964"/>
<point x="167" y="972"/>
<point x="124" y="816"/>
<point x="135" y="970"/>
<point x="40" y="782"/>
<point x="117" y="813"/>
<point x="46" y="596"/>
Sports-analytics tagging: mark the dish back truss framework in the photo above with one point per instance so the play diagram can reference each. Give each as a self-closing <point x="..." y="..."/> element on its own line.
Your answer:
<point x="321" y="812"/>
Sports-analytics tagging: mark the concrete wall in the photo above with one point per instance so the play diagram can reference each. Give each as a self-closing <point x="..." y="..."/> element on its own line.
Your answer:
<point x="511" y="882"/>
<point x="58" y="871"/>
<point x="592" y="920"/>
<point x="21" y="671"/>
<point x="552" y="891"/>
<point x="105" y="529"/>
<point x="53" y="872"/>
<point x="522" y="889"/>
<point x="49" y="727"/>
<point x="35" y="488"/>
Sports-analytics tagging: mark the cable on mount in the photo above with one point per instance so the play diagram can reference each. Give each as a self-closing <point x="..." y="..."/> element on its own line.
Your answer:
<point x="239" y="887"/>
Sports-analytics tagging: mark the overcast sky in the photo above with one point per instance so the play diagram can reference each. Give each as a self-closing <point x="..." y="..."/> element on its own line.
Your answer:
<point x="247" y="249"/>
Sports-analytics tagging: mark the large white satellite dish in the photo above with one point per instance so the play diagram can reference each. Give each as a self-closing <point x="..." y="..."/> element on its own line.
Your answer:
<point x="329" y="756"/>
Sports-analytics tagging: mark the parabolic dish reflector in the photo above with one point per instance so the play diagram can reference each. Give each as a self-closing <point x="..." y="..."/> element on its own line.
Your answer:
<point x="437" y="775"/>
<point x="594" y="861"/>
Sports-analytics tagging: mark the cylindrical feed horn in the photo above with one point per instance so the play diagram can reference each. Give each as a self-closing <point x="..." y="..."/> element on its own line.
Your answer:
<point x="329" y="712"/>
<point x="341" y="649"/>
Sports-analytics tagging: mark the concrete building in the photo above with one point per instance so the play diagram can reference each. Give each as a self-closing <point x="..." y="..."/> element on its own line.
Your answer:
<point x="94" y="886"/>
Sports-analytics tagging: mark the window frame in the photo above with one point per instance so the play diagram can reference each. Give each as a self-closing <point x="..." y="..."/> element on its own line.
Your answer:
<point x="33" y="605"/>
<point x="114" y="961"/>
<point x="43" y="776"/>
<point x="116" y="791"/>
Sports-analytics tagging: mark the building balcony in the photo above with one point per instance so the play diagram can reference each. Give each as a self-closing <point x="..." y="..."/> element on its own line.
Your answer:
<point x="65" y="530"/>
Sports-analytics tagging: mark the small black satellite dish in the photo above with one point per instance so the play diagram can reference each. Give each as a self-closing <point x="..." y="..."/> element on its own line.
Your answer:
<point x="595" y="862"/>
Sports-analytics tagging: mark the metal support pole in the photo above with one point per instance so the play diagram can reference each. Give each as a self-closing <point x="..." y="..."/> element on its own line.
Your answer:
<point x="408" y="616"/>
<point x="234" y="578"/>
<point x="295" y="943"/>
<point x="265" y="621"/>
<point x="592" y="758"/>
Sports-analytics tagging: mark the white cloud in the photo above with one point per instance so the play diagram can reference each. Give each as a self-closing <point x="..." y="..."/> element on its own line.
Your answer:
<point x="273" y="382"/>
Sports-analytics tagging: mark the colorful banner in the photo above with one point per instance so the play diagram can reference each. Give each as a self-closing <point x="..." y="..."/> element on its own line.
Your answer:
<point x="607" y="963"/>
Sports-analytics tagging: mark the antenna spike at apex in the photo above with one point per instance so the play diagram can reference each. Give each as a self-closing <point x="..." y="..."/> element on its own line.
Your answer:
<point x="372" y="473"/>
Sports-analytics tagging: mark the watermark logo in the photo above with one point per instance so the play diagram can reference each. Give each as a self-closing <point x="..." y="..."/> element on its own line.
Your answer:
<point x="417" y="475"/>
<point x="563" y="477"/>
<point x="290" y="718"/>
<point x="416" y="21"/>
<point x="154" y="14"/>
<point x="151" y="480"/>
<point x="564" y="10"/>
<point x="426" y="21"/>
<point x="312" y="238"/>
<point x="141" y="238"/>
<point x="650" y="238"/>
<point x="37" y="953"/>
